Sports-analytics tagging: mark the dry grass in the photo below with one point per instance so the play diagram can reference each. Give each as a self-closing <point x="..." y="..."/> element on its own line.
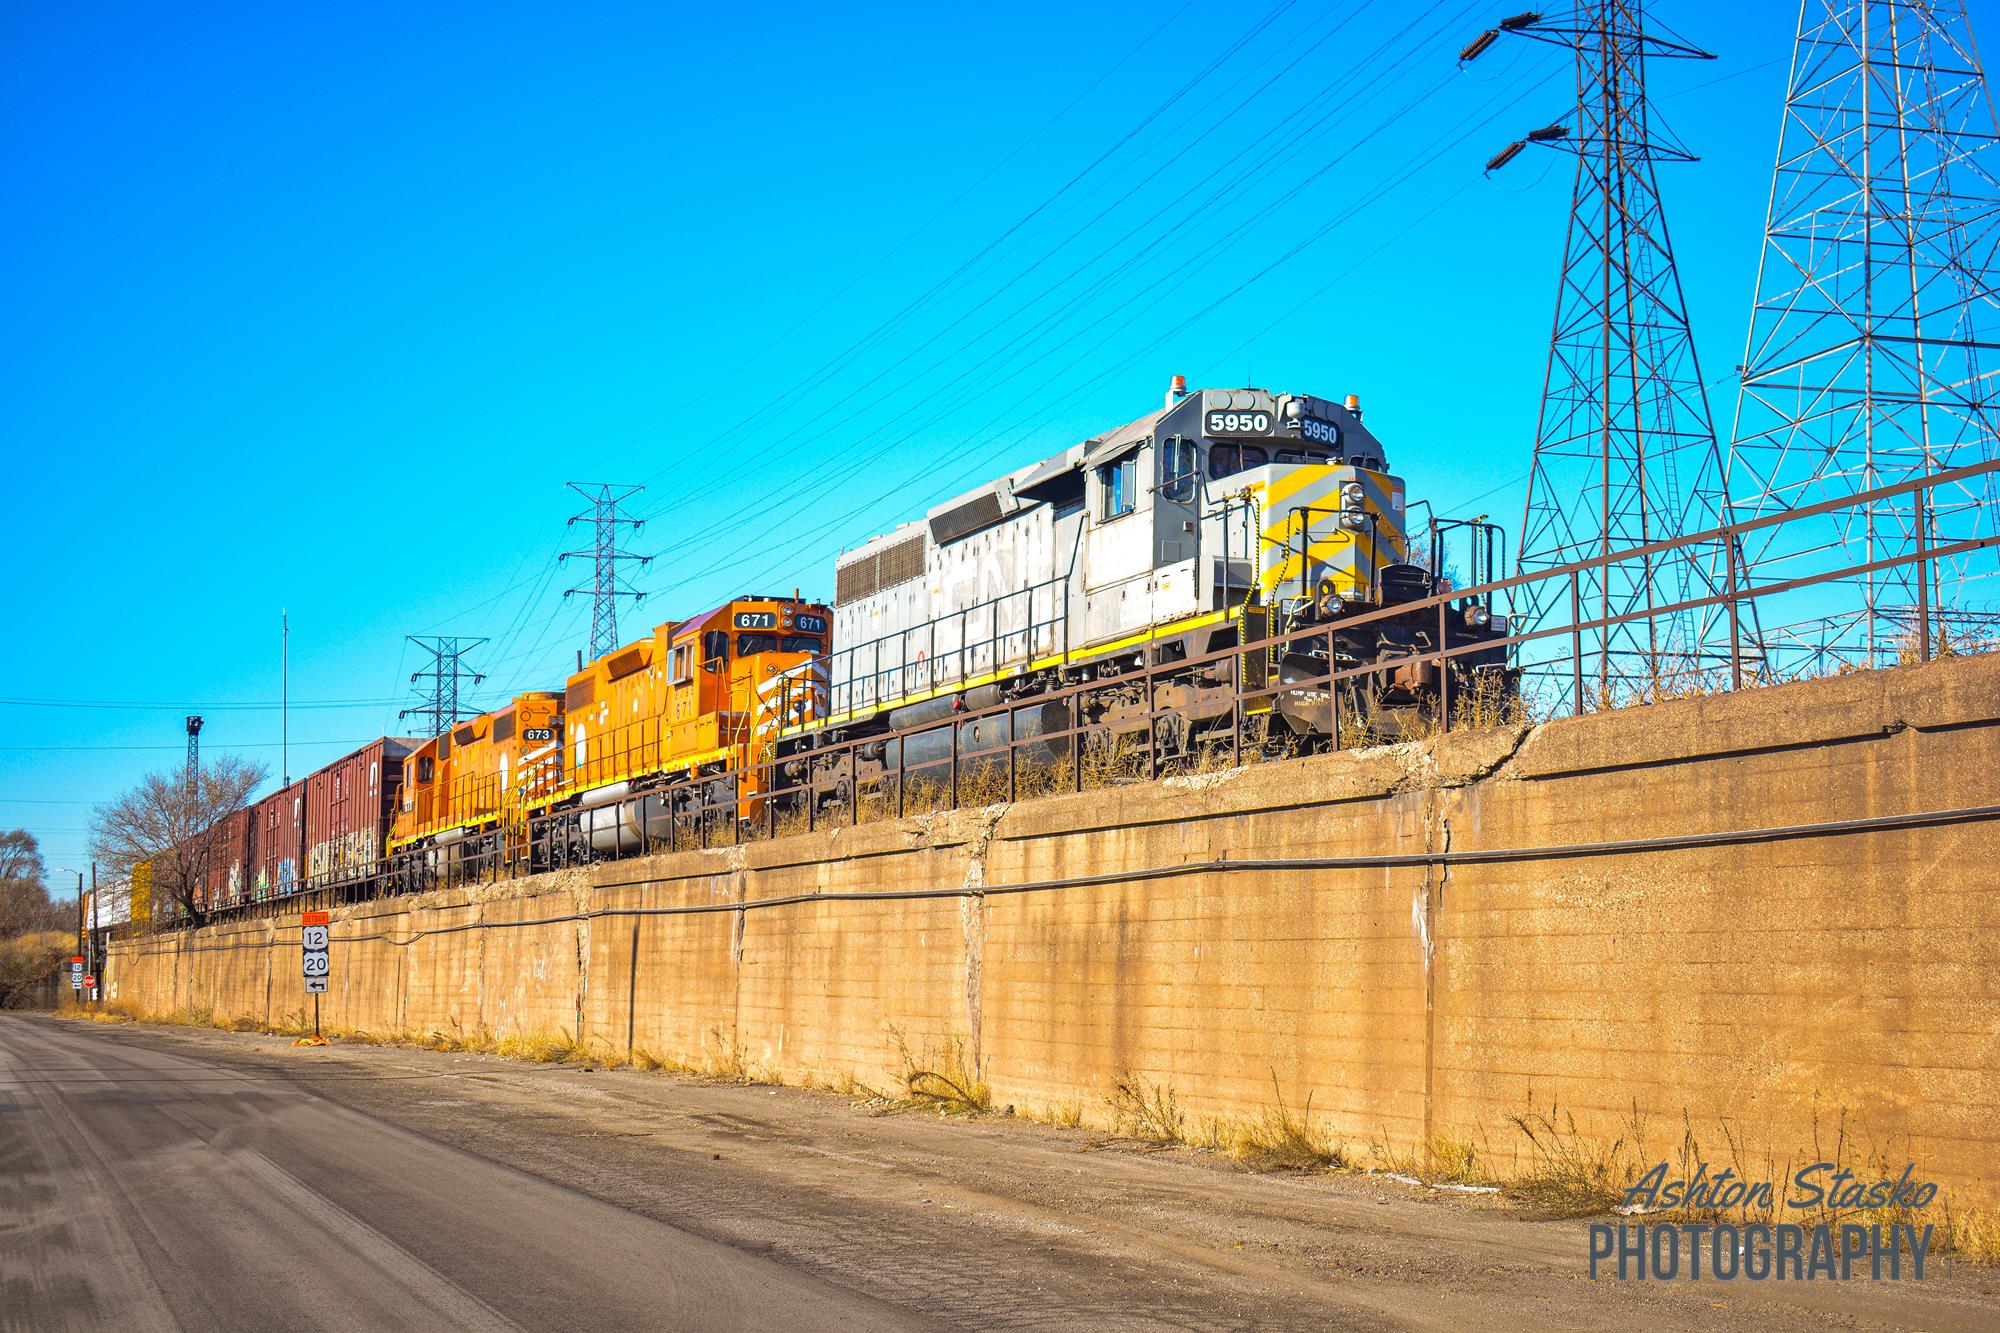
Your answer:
<point x="1147" y="1110"/>
<point x="1357" y="732"/>
<point x="1282" y="1140"/>
<point x="107" y="1011"/>
<point x="1446" y="1160"/>
<point x="1945" y="641"/>
<point x="942" y="1078"/>
<point x="549" y="1048"/>
<point x="1484" y="702"/>
<point x="1110" y="760"/>
<point x="1571" y="1174"/>
<point x="1065" y="1115"/>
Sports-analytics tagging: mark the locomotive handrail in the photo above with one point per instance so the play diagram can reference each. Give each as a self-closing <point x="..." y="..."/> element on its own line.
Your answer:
<point x="886" y="685"/>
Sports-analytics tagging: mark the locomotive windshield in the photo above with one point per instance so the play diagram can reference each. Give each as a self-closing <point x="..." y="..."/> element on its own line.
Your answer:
<point x="1226" y="459"/>
<point x="747" y="644"/>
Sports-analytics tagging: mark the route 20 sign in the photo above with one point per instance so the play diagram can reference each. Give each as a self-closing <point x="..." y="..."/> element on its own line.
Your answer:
<point x="313" y="937"/>
<point x="76" y="972"/>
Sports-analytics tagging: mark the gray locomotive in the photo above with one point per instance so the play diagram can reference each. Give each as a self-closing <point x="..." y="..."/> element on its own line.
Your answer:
<point x="1225" y="517"/>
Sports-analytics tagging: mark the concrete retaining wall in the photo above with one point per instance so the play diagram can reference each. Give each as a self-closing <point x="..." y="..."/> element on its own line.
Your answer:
<point x="1764" y="996"/>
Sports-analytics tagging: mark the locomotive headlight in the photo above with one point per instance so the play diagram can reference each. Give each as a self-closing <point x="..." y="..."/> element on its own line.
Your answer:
<point x="1352" y="494"/>
<point x="1478" y="616"/>
<point x="1353" y="520"/>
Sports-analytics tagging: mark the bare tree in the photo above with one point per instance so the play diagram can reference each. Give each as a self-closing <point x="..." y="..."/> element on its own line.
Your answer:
<point x="35" y="933"/>
<point x="24" y="891"/>
<point x="176" y="824"/>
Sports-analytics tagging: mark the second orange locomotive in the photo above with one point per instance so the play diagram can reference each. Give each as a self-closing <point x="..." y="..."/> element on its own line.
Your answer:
<point x="690" y="712"/>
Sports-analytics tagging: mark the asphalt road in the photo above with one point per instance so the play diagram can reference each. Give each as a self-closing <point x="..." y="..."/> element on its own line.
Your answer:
<point x="144" y="1190"/>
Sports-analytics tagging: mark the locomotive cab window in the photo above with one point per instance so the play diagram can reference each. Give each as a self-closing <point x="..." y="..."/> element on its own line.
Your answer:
<point x="1304" y="456"/>
<point x="1180" y="464"/>
<point x="681" y="668"/>
<point x="1118" y="483"/>
<point x="1226" y="459"/>
<point x="715" y="649"/>
<point x="426" y="769"/>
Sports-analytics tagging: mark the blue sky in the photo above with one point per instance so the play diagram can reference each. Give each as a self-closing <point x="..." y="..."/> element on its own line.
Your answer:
<point x="319" y="310"/>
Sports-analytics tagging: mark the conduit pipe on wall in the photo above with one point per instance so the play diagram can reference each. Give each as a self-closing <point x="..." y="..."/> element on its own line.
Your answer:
<point x="1663" y="843"/>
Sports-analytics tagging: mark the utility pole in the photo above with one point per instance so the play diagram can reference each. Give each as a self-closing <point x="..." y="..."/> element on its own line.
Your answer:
<point x="284" y="697"/>
<point x="1870" y="356"/>
<point x="1625" y="450"/>
<point x="96" y="963"/>
<point x="605" y="587"/>
<point x="440" y="696"/>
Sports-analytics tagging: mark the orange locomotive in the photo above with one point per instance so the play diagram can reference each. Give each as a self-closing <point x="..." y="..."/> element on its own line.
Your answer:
<point x="467" y="793"/>
<point x="690" y="711"/>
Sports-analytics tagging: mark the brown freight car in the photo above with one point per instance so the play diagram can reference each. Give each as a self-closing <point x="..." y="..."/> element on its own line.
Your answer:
<point x="347" y="812"/>
<point x="278" y="842"/>
<point x="225" y="874"/>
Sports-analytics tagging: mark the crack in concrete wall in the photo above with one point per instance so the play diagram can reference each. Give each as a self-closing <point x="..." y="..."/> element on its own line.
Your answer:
<point x="972" y="921"/>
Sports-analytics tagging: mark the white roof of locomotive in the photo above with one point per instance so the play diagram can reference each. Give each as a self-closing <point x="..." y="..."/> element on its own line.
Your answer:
<point x="1088" y="453"/>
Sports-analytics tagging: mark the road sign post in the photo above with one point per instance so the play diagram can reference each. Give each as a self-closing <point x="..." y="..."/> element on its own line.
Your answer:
<point x="314" y="936"/>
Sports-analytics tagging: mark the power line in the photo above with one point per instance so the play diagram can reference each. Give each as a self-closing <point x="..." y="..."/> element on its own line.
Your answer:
<point x="927" y="224"/>
<point x="178" y="749"/>
<point x="1439" y="147"/>
<point x="807" y="484"/>
<point x="130" y="706"/>
<point x="805" y="387"/>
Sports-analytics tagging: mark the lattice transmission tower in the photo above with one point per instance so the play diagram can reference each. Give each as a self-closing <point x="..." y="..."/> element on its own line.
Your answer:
<point x="605" y="585"/>
<point x="1625" y="451"/>
<point x="1872" y="341"/>
<point x="440" y="680"/>
<point x="193" y="759"/>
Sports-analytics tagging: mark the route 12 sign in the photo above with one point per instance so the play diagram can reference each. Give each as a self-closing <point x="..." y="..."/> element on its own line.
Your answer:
<point x="313" y="936"/>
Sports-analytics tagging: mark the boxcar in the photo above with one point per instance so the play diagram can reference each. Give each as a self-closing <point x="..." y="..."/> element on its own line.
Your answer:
<point x="225" y="879"/>
<point x="277" y="842"/>
<point x="348" y="810"/>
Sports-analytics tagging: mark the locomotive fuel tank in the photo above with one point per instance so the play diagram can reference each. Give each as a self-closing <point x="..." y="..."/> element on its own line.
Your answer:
<point x="1039" y="726"/>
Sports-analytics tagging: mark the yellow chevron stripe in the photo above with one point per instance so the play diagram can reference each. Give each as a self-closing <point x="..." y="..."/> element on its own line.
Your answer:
<point x="1303" y="475"/>
<point x="1348" y="554"/>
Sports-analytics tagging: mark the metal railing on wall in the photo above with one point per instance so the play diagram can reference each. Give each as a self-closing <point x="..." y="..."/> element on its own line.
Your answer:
<point x="1071" y="746"/>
